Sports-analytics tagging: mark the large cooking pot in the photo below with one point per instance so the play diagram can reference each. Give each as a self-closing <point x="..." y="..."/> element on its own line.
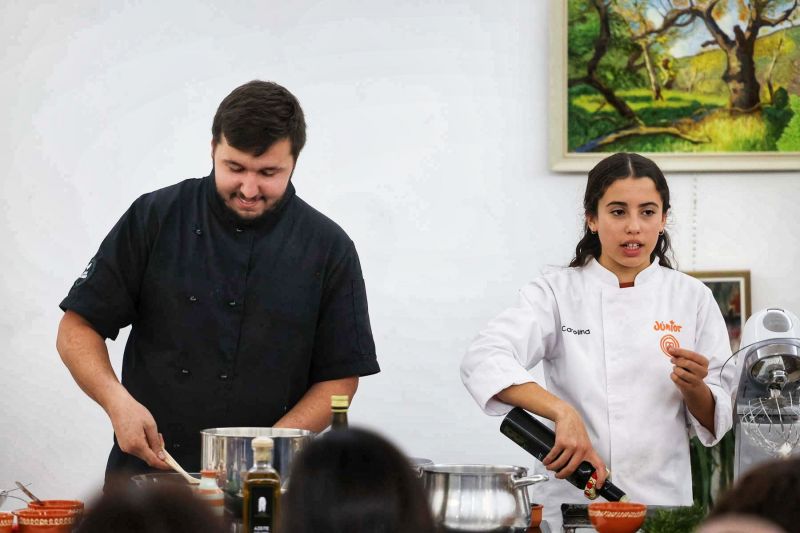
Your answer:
<point x="228" y="451"/>
<point x="479" y="497"/>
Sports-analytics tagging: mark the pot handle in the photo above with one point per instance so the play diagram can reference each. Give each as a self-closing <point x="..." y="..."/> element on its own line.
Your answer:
<point x="528" y="480"/>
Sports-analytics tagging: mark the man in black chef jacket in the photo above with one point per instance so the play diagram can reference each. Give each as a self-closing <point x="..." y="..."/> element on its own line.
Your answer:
<point x="247" y="306"/>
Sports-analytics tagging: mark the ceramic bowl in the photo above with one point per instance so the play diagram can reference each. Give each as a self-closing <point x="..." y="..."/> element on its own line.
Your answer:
<point x="45" y="520"/>
<point x="617" y="517"/>
<point x="6" y="522"/>
<point x="70" y="505"/>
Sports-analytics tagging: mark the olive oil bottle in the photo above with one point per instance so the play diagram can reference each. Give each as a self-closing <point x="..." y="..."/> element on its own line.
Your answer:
<point x="339" y="406"/>
<point x="261" y="492"/>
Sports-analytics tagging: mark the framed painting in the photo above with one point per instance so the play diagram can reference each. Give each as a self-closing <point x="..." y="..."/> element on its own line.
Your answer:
<point x="731" y="290"/>
<point x="695" y="85"/>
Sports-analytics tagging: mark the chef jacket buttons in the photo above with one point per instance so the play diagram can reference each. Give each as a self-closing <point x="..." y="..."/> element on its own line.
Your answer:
<point x="192" y="298"/>
<point x="186" y="372"/>
<point x="232" y="303"/>
<point x="239" y="230"/>
<point x="198" y="231"/>
<point x="223" y="376"/>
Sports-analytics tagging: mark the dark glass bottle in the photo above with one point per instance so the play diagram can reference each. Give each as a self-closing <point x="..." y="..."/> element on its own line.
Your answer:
<point x="339" y="406"/>
<point x="538" y="439"/>
<point x="262" y="490"/>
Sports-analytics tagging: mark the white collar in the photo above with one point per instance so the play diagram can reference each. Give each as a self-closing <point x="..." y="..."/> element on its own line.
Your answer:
<point x="606" y="277"/>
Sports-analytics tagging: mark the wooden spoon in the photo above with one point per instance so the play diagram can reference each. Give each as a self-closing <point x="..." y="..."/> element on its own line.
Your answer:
<point x="179" y="469"/>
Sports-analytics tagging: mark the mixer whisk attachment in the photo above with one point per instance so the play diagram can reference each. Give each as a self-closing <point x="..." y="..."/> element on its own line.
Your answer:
<point x="773" y="423"/>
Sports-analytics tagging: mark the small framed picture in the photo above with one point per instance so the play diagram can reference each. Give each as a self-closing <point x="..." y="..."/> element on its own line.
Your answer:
<point x="731" y="290"/>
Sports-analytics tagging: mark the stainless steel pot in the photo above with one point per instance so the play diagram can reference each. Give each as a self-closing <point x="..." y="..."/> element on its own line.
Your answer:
<point x="228" y="451"/>
<point x="479" y="497"/>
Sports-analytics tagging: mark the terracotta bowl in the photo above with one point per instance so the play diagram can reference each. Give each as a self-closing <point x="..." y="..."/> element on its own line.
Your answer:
<point x="6" y="522"/>
<point x="70" y="505"/>
<point x="536" y="514"/>
<point x="617" y="517"/>
<point x="45" y="520"/>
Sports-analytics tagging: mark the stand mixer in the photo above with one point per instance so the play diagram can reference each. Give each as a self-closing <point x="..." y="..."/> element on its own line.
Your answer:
<point x="767" y="398"/>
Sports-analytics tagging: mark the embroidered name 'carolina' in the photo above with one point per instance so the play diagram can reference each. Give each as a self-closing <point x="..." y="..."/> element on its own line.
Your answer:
<point x="565" y="329"/>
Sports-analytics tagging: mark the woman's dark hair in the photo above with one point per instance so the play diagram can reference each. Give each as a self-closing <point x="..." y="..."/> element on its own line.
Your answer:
<point x="612" y="168"/>
<point x="354" y="481"/>
<point x="155" y="509"/>
<point x="770" y="491"/>
<point x="256" y="115"/>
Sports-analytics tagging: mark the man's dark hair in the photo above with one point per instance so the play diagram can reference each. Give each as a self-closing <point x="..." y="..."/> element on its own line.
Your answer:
<point x="256" y="115"/>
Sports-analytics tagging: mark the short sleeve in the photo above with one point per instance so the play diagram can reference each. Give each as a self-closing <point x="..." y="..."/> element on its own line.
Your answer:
<point x="713" y="342"/>
<point x="106" y="293"/>
<point x="509" y="346"/>
<point x="343" y="342"/>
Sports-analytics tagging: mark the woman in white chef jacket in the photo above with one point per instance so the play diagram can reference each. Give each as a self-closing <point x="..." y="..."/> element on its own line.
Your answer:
<point x="631" y="349"/>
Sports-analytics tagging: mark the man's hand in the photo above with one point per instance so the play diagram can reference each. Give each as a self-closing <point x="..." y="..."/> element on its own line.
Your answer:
<point x="136" y="431"/>
<point x="572" y="447"/>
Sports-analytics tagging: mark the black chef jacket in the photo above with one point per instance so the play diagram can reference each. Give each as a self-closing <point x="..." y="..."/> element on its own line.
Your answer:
<point x="231" y="323"/>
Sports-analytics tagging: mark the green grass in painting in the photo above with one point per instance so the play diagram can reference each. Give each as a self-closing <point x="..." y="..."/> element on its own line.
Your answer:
<point x="642" y="100"/>
<point x="702" y="116"/>
<point x="728" y="133"/>
<point x="790" y="137"/>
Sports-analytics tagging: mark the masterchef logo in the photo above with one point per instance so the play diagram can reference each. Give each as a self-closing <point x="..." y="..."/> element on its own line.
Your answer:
<point x="667" y="342"/>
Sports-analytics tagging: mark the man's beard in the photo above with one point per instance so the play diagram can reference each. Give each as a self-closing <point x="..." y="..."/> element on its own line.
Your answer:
<point x="246" y="221"/>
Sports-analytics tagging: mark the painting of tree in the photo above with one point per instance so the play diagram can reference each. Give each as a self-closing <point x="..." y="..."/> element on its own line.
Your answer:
<point x="713" y="77"/>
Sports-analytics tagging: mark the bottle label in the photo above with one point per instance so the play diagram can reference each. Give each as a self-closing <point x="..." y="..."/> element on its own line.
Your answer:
<point x="589" y="490"/>
<point x="262" y="510"/>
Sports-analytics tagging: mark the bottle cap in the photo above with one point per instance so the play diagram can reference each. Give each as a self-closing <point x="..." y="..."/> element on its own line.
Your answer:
<point x="262" y="443"/>
<point x="340" y="401"/>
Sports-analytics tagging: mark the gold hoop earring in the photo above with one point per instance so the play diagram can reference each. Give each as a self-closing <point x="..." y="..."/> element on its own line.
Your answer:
<point x="593" y="232"/>
<point x="660" y="233"/>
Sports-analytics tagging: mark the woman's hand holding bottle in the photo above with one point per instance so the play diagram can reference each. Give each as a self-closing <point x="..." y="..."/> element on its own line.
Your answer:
<point x="572" y="446"/>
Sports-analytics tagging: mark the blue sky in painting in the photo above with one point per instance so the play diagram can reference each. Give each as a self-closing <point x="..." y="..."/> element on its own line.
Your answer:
<point x="692" y="37"/>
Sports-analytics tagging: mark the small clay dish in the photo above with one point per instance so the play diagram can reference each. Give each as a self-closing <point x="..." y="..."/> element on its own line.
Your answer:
<point x="45" y="520"/>
<point x="617" y="517"/>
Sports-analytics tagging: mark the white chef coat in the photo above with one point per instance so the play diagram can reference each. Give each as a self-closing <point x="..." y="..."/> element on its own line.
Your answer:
<point x="600" y="346"/>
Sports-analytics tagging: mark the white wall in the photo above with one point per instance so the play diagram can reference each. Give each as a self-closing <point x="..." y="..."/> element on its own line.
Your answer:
<point x="427" y="143"/>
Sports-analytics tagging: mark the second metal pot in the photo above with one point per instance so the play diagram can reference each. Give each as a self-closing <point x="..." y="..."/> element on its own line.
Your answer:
<point x="479" y="497"/>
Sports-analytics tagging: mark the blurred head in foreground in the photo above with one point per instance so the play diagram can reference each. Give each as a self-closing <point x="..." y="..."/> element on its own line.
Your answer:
<point x="770" y="492"/>
<point x="354" y="481"/>
<point x="156" y="509"/>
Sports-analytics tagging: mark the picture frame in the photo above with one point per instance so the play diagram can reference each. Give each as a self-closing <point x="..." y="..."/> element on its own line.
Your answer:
<point x="731" y="290"/>
<point x="564" y="158"/>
